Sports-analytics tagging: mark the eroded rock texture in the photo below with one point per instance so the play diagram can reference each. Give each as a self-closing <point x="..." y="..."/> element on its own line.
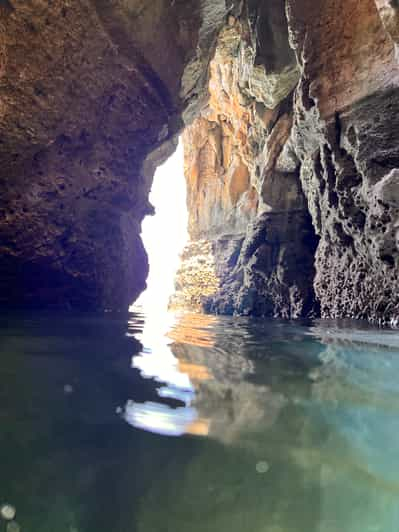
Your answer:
<point x="299" y="191"/>
<point x="291" y="150"/>
<point x="196" y="277"/>
<point x="346" y="135"/>
<point x="87" y="90"/>
<point x="243" y="175"/>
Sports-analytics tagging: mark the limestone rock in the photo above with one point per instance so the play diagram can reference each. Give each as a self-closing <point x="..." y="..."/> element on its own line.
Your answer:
<point x="87" y="90"/>
<point x="196" y="278"/>
<point x="323" y="233"/>
<point x="346" y="134"/>
<point x="291" y="151"/>
<point x="244" y="191"/>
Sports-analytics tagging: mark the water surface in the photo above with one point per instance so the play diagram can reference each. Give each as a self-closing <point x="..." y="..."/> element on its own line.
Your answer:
<point x="198" y="424"/>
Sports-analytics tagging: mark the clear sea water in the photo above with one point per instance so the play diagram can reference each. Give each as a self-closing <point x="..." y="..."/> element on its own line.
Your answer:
<point x="187" y="423"/>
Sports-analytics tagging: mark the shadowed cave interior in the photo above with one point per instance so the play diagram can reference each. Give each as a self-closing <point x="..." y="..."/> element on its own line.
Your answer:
<point x="266" y="398"/>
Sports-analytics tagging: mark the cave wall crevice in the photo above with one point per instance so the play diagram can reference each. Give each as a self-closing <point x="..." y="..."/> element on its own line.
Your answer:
<point x="322" y="237"/>
<point x="243" y="175"/>
<point x="290" y="117"/>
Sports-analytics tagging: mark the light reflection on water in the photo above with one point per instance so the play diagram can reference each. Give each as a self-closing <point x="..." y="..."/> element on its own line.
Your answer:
<point x="160" y="364"/>
<point x="278" y="427"/>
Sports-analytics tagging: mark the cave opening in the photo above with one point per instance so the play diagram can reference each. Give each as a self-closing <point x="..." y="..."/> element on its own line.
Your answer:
<point x="165" y="234"/>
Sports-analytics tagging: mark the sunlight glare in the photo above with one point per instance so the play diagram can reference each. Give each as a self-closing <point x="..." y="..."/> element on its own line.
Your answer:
<point x="165" y="234"/>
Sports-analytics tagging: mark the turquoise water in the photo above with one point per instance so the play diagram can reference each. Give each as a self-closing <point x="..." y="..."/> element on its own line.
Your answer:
<point x="198" y="423"/>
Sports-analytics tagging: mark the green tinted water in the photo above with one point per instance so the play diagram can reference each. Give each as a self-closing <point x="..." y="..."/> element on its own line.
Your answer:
<point x="226" y="424"/>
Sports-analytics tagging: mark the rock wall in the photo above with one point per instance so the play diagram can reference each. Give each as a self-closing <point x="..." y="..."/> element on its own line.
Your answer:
<point x="291" y="150"/>
<point x="196" y="277"/>
<point x="311" y="225"/>
<point x="347" y="136"/>
<point x="91" y="98"/>
<point x="243" y="176"/>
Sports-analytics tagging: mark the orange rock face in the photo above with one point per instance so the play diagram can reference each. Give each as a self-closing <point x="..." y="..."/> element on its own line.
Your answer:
<point x="346" y="52"/>
<point x="221" y="197"/>
<point x="258" y="165"/>
<point x="223" y="145"/>
<point x="239" y="178"/>
<point x="291" y="151"/>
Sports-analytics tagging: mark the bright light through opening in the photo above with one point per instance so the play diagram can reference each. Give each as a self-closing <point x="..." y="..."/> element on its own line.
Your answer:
<point x="165" y="234"/>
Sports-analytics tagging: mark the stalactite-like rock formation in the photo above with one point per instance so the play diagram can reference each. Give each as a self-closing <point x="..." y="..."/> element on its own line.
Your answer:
<point x="243" y="175"/>
<point x="291" y="150"/>
<point x="314" y="224"/>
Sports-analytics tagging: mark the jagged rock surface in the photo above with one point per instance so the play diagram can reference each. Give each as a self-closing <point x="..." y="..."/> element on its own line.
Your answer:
<point x="244" y="190"/>
<point x="292" y="157"/>
<point x="347" y="136"/>
<point x="196" y="278"/>
<point x="88" y="90"/>
<point x="322" y="234"/>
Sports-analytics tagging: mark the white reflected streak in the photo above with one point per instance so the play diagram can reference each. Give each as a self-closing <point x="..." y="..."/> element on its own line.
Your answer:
<point x="162" y="367"/>
<point x="186" y="396"/>
<point x="159" y="418"/>
<point x="164" y="236"/>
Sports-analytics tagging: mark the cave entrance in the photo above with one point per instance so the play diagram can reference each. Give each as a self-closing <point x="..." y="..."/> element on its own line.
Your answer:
<point x="165" y="233"/>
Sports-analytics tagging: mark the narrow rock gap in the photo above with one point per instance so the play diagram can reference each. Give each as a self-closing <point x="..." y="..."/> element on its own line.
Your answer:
<point x="165" y="233"/>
